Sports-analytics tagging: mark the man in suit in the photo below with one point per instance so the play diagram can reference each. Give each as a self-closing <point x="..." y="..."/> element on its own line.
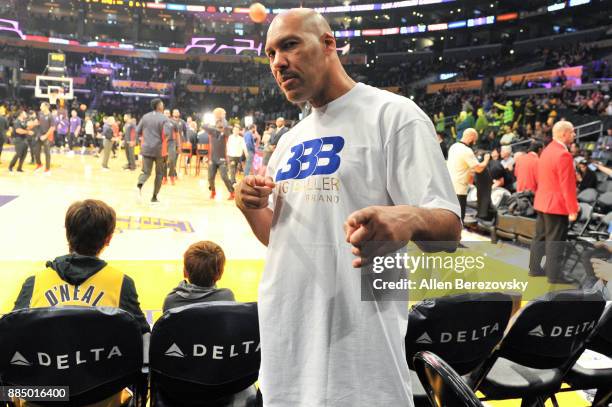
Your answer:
<point x="526" y="168"/>
<point x="555" y="203"/>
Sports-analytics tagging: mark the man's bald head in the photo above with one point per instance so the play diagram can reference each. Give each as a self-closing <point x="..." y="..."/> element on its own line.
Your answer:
<point x="303" y="19"/>
<point x="563" y="131"/>
<point x="469" y="136"/>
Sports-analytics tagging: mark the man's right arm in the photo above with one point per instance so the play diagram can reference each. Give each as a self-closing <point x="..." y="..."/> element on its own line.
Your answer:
<point x="252" y="195"/>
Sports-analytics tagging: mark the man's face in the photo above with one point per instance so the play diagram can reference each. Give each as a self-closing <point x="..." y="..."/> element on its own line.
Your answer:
<point x="176" y="114"/>
<point x="505" y="154"/>
<point x="297" y="59"/>
<point x="167" y="113"/>
<point x="280" y="123"/>
<point x="236" y="130"/>
<point x="74" y="113"/>
<point x="569" y="136"/>
<point x="219" y="125"/>
<point x="44" y="108"/>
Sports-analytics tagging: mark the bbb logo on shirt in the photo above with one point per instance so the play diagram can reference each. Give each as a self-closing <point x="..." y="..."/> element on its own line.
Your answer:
<point x="318" y="156"/>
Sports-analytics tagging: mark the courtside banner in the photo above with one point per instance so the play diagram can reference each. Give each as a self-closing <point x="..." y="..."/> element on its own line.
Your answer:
<point x="397" y="272"/>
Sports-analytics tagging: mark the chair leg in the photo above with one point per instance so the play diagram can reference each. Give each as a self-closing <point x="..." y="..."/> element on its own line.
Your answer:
<point x="553" y="398"/>
<point x="602" y="398"/>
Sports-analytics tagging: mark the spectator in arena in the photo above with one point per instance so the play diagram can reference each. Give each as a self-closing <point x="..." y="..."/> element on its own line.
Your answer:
<point x="218" y="158"/>
<point x="251" y="139"/>
<point x="340" y="350"/>
<point x="74" y="130"/>
<point x="464" y="121"/>
<point x="89" y="280"/>
<point x="44" y="137"/>
<point x="22" y="130"/>
<point x="481" y="122"/>
<point x="4" y="127"/>
<point x="236" y="148"/>
<point x="129" y="141"/>
<point x="90" y="137"/>
<point x="281" y="129"/>
<point x="555" y="203"/>
<point x="585" y="176"/>
<point x="154" y="149"/>
<point x="526" y="168"/>
<point x="442" y="142"/>
<point x="462" y="163"/>
<point x="109" y="135"/>
<point x="506" y="159"/>
<point x="203" y="265"/>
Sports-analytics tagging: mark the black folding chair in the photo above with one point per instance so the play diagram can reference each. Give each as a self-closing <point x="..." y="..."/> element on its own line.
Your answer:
<point x="206" y="355"/>
<point x="95" y="352"/>
<point x="462" y="329"/>
<point x="540" y="346"/>
<point x="588" y="196"/>
<point x="581" y="378"/>
<point x="444" y="386"/>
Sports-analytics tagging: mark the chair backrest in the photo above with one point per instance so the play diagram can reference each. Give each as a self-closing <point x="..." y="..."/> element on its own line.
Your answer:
<point x="205" y="351"/>
<point x="605" y="200"/>
<point x="550" y="330"/>
<point x="462" y="329"/>
<point x="604" y="186"/>
<point x="444" y="386"/>
<point x="96" y="352"/>
<point x="203" y="147"/>
<point x="601" y="340"/>
<point x="588" y="195"/>
<point x="186" y="146"/>
<point x="585" y="212"/>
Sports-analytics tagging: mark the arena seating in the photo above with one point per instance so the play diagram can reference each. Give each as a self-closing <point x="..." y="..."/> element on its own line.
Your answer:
<point x="206" y="355"/>
<point x="462" y="329"/>
<point x="580" y="377"/>
<point x="540" y="346"/>
<point x="96" y="352"/>
<point x="444" y="386"/>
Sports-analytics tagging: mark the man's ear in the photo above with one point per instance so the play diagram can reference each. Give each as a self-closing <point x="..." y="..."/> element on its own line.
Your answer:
<point x="330" y="42"/>
<point x="108" y="240"/>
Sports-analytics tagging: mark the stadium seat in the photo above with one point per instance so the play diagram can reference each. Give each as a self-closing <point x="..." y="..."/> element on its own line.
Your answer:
<point x="444" y="386"/>
<point x="605" y="186"/>
<point x="584" y="377"/>
<point x="462" y="329"/>
<point x="505" y="227"/>
<point x="201" y="155"/>
<point x="185" y="158"/>
<point x="604" y="202"/>
<point x="588" y="196"/>
<point x="545" y="336"/>
<point x="206" y="355"/>
<point x="96" y="352"/>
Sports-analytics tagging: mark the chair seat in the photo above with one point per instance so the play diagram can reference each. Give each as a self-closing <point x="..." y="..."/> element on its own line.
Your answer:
<point x="509" y="380"/>
<point x="581" y="378"/>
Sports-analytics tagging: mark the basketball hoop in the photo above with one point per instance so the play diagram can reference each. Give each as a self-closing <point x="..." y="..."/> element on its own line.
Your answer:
<point x="56" y="95"/>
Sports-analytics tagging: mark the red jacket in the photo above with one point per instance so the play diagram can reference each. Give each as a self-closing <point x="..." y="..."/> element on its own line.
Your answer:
<point x="526" y="172"/>
<point x="556" y="192"/>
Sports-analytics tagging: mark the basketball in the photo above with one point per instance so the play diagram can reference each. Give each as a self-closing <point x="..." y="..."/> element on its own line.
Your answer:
<point x="258" y="13"/>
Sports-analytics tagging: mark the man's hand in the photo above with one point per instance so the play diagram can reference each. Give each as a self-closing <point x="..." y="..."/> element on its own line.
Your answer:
<point x="602" y="269"/>
<point x="253" y="192"/>
<point x="572" y="217"/>
<point x="376" y="230"/>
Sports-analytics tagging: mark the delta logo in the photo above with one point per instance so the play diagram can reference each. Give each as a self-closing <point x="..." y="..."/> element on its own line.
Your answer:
<point x="66" y="360"/>
<point x="460" y="336"/>
<point x="217" y="352"/>
<point x="563" y="331"/>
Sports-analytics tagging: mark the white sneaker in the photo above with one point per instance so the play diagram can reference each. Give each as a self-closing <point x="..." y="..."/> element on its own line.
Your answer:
<point x="105" y="169"/>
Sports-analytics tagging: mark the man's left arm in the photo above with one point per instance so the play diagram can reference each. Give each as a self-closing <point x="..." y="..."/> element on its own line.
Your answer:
<point x="426" y="209"/>
<point x="567" y="181"/>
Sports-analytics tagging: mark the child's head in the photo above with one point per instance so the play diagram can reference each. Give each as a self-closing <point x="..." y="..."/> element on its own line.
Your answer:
<point x="203" y="263"/>
<point x="89" y="226"/>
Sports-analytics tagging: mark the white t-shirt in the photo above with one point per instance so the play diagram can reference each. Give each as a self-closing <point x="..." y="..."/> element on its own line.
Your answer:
<point x="461" y="161"/>
<point x="236" y="146"/>
<point x="321" y="344"/>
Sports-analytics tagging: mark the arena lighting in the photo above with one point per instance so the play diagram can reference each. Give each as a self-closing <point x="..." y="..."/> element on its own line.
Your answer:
<point x="573" y="3"/>
<point x="457" y="24"/>
<point x="209" y="118"/>
<point x="555" y="7"/>
<point x="507" y="17"/>
<point x="11" y="26"/>
<point x="437" y="27"/>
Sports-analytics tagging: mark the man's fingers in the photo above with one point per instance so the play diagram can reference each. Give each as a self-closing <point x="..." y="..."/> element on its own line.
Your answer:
<point x="362" y="234"/>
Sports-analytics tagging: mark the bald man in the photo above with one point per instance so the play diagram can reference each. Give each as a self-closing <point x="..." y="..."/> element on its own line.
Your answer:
<point x="364" y="166"/>
<point x="462" y="164"/>
<point x="555" y="203"/>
